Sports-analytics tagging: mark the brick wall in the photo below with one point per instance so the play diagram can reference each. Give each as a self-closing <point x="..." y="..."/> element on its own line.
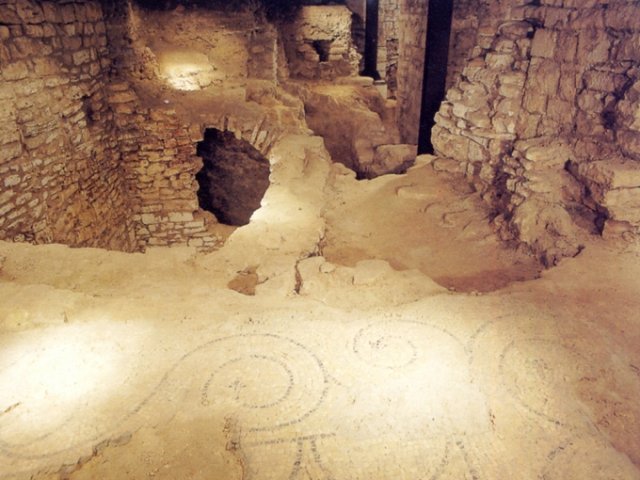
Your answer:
<point x="60" y="168"/>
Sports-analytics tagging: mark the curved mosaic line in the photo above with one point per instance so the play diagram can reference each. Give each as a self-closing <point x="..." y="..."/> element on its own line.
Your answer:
<point x="385" y="350"/>
<point x="544" y="369"/>
<point x="9" y="450"/>
<point x="587" y="457"/>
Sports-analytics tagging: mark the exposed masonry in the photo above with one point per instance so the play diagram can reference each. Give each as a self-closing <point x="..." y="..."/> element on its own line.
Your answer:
<point x="82" y="161"/>
<point x="545" y="121"/>
<point x="60" y="168"/>
<point x="411" y="30"/>
<point x="543" y="118"/>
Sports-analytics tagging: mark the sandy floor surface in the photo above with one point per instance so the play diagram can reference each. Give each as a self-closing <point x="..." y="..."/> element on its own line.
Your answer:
<point x="345" y="353"/>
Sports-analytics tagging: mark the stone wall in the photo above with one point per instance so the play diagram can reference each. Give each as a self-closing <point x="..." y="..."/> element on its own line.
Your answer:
<point x="161" y="117"/>
<point x="61" y="178"/>
<point x="545" y="122"/>
<point x="318" y="43"/>
<point x="388" y="43"/>
<point x="468" y="16"/>
<point x="413" y="25"/>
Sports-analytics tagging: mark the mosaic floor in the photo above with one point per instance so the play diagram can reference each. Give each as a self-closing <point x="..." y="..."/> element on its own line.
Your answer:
<point x="119" y="366"/>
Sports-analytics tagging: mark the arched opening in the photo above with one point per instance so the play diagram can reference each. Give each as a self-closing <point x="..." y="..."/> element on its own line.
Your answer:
<point x="233" y="179"/>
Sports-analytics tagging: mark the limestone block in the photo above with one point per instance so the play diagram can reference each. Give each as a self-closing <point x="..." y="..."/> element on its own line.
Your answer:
<point x="9" y="15"/>
<point x="629" y="141"/>
<point x="629" y="48"/>
<point x="12" y="181"/>
<point x="535" y="101"/>
<point x="15" y="71"/>
<point x="507" y="107"/>
<point x="500" y="61"/>
<point x="568" y="47"/>
<point x="540" y="223"/>
<point x="122" y="97"/>
<point x="149" y="219"/>
<point x="545" y="152"/>
<point x="504" y="124"/>
<point x="51" y="12"/>
<point x="612" y="174"/>
<point x="568" y="85"/>
<point x="593" y="46"/>
<point x="503" y="45"/>
<point x="622" y="17"/>
<point x="591" y="101"/>
<point x="473" y="67"/>
<point x="480" y="118"/>
<point x="34" y="31"/>
<point x="513" y="79"/>
<point x="544" y="77"/>
<point x="29" y="11"/>
<point x="510" y="91"/>
<point x="561" y="112"/>
<point x="81" y="57"/>
<point x="584" y="18"/>
<point x="45" y="66"/>
<point x="93" y="11"/>
<point x="68" y="13"/>
<point x="181" y="217"/>
<point x="515" y="29"/>
<point x="72" y="43"/>
<point x="544" y="43"/>
<point x="447" y="144"/>
<point x="604" y="81"/>
<point x="478" y="152"/>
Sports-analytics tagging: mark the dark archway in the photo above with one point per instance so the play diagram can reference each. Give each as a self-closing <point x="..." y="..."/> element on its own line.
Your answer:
<point x="234" y="178"/>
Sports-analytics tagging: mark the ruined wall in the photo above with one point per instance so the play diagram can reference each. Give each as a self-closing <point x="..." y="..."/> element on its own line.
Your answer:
<point x="388" y="44"/>
<point x="162" y="113"/>
<point x="61" y="178"/>
<point x="318" y="43"/>
<point x="545" y="122"/>
<point x="468" y="16"/>
<point x="413" y="31"/>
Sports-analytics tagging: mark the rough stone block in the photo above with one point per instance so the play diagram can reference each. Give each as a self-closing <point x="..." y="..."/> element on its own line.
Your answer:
<point x="11" y="181"/>
<point x="29" y="11"/>
<point x="181" y="217"/>
<point x="15" y="71"/>
<point x="122" y="97"/>
<point x="544" y="43"/>
<point x="81" y="57"/>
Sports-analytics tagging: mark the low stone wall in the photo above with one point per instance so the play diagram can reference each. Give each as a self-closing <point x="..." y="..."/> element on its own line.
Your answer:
<point x="545" y="121"/>
<point x="61" y="177"/>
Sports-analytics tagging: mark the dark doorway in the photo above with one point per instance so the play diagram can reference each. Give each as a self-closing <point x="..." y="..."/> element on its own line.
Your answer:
<point x="371" y="41"/>
<point x="436" y="59"/>
<point x="322" y="47"/>
<point x="234" y="178"/>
